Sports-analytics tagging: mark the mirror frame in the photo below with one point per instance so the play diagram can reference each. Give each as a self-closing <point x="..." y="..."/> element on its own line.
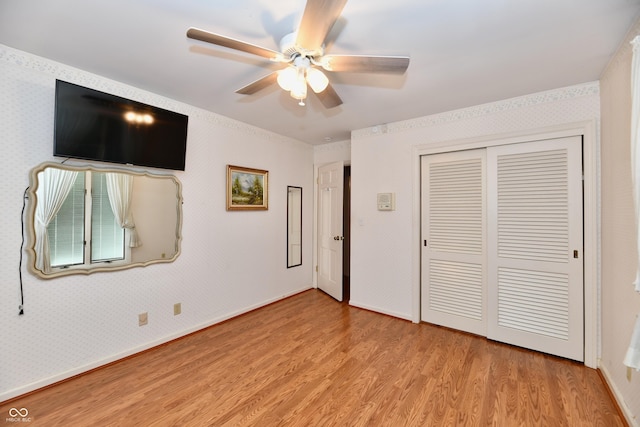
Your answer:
<point x="30" y="219"/>
<point x="289" y="189"/>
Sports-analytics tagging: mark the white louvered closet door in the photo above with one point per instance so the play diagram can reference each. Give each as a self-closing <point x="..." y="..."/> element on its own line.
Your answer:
<point x="453" y="238"/>
<point x="535" y="279"/>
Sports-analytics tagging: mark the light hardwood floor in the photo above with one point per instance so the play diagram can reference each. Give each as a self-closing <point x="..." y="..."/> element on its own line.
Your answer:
<point x="310" y="361"/>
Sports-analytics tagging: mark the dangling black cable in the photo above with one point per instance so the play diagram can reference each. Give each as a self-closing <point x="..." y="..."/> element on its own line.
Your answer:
<point x="24" y="204"/>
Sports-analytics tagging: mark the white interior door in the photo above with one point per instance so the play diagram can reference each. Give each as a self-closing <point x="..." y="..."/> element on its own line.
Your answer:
<point x="454" y="243"/>
<point x="330" y="238"/>
<point x="535" y="246"/>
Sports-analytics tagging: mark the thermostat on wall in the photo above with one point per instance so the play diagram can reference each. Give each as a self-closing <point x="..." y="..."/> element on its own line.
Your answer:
<point x="386" y="201"/>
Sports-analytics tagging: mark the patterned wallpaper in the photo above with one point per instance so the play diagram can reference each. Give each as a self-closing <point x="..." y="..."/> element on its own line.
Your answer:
<point x="464" y="117"/>
<point x="76" y="323"/>
<point x="621" y="304"/>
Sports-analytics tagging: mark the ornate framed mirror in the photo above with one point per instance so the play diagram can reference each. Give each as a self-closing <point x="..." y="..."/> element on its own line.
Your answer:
<point x="84" y="219"/>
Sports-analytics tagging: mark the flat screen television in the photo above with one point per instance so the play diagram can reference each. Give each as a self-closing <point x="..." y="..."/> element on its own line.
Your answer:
<point x="94" y="125"/>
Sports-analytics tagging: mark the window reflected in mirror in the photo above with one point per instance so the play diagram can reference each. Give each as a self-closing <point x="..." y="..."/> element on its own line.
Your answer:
<point x="69" y="228"/>
<point x="294" y="226"/>
<point x="86" y="219"/>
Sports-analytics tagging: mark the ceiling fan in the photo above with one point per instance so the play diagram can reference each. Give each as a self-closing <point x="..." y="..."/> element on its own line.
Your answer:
<point x="303" y="54"/>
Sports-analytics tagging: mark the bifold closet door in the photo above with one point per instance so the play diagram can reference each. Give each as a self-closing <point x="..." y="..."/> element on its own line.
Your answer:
<point x="535" y="245"/>
<point x="453" y="240"/>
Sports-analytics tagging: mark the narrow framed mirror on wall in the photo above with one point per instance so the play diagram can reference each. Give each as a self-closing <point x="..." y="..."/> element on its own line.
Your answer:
<point x="294" y="226"/>
<point x="83" y="219"/>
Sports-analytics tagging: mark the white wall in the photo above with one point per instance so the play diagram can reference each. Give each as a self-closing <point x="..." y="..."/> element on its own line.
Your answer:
<point x="332" y="152"/>
<point x="620" y="303"/>
<point x="384" y="267"/>
<point x="231" y="261"/>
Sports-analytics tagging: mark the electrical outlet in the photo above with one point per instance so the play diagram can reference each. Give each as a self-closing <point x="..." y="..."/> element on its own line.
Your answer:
<point x="177" y="308"/>
<point x="143" y="319"/>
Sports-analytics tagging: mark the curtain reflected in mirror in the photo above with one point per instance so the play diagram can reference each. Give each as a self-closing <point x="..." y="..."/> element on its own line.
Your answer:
<point x="87" y="219"/>
<point x="294" y="226"/>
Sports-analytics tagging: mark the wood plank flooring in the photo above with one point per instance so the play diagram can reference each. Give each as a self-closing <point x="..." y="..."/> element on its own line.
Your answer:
<point x="310" y="361"/>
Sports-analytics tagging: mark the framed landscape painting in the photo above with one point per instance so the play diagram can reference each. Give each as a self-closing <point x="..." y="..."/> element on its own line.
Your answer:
<point x="247" y="188"/>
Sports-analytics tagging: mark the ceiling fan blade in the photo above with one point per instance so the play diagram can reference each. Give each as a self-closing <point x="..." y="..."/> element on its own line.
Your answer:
<point x="329" y="97"/>
<point x="217" y="39"/>
<point x="365" y="64"/>
<point x="317" y="20"/>
<point x="259" y="84"/>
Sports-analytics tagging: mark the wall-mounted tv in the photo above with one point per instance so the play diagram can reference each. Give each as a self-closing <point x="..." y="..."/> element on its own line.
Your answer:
<point x="94" y="125"/>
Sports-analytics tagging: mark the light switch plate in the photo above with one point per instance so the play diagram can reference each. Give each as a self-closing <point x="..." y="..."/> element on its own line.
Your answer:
<point x="386" y="201"/>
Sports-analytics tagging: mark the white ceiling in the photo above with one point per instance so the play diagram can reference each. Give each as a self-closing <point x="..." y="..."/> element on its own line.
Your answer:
<point x="463" y="52"/>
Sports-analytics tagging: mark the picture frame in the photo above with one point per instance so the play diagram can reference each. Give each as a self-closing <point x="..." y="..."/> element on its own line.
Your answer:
<point x="247" y="189"/>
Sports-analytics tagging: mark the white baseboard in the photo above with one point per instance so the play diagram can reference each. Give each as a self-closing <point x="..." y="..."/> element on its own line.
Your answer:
<point x="16" y="392"/>
<point x="631" y="419"/>
<point x="380" y="310"/>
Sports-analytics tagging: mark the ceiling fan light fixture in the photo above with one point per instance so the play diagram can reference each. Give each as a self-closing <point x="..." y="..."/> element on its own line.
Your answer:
<point x="287" y="78"/>
<point x="299" y="88"/>
<point x="317" y="80"/>
<point x="303" y="53"/>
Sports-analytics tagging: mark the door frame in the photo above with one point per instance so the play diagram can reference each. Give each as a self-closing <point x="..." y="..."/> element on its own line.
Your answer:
<point x="585" y="129"/>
